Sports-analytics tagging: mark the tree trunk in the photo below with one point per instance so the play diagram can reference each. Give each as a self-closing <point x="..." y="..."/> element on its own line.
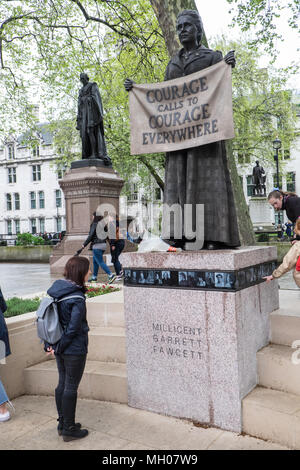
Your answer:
<point x="153" y="172"/>
<point x="245" y="226"/>
<point x="166" y="12"/>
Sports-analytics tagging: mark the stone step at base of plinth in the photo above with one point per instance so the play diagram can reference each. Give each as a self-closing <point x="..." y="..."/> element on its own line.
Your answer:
<point x="100" y="381"/>
<point x="285" y="326"/>
<point x="107" y="344"/>
<point x="278" y="367"/>
<point x="109" y="313"/>
<point x="272" y="415"/>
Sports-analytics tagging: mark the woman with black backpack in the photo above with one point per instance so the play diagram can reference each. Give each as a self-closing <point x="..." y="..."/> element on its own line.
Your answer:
<point x="71" y="350"/>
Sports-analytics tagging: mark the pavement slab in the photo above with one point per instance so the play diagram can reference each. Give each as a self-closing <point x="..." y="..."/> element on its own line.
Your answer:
<point x="114" y="426"/>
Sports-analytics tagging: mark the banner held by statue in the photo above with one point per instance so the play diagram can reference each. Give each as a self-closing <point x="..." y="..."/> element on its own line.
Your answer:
<point x="182" y="113"/>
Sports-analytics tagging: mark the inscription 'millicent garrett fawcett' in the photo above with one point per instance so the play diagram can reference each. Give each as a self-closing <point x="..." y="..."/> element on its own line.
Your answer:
<point x="176" y="341"/>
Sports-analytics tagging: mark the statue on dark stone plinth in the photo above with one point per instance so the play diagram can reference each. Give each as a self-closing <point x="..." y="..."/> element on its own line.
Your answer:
<point x="90" y="121"/>
<point x="259" y="180"/>
<point x="199" y="175"/>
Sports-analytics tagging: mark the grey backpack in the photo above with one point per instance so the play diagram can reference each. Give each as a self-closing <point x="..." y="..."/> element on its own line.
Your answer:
<point x="49" y="328"/>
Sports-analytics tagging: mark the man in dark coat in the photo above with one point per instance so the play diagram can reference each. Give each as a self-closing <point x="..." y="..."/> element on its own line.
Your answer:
<point x="90" y="121"/>
<point x="259" y="178"/>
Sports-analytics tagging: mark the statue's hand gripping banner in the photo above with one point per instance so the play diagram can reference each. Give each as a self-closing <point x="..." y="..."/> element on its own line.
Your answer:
<point x="186" y="112"/>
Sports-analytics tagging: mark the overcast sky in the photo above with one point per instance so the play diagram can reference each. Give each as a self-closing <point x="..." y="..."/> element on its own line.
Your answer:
<point x="216" y="18"/>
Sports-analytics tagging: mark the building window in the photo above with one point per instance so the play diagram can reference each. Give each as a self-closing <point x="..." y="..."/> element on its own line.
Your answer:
<point x="277" y="214"/>
<point x="33" y="226"/>
<point x="8" y="202"/>
<point x="133" y="196"/>
<point x="17" y="201"/>
<point x="291" y="182"/>
<point x="17" y="227"/>
<point x="58" y="198"/>
<point x="9" y="227"/>
<point x="42" y="225"/>
<point x="41" y="200"/>
<point x="11" y="152"/>
<point x="32" y="200"/>
<point x="36" y="172"/>
<point x="250" y="185"/>
<point x="58" y="224"/>
<point x="157" y="193"/>
<point x="36" y="151"/>
<point x="12" y="175"/>
<point x="243" y="157"/>
<point x="61" y="170"/>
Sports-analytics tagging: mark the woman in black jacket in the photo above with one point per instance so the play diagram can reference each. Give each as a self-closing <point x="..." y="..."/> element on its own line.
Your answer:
<point x="98" y="245"/>
<point x="4" y="351"/>
<point x="71" y="350"/>
<point x="286" y="201"/>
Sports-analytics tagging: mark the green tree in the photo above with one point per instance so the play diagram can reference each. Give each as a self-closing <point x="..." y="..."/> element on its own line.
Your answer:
<point x="261" y="17"/>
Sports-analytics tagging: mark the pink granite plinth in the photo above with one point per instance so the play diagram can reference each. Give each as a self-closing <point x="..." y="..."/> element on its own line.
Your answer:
<point x="192" y="353"/>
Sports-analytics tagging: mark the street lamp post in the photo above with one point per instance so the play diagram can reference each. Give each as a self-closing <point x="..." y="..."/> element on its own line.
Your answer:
<point x="57" y="206"/>
<point x="277" y="147"/>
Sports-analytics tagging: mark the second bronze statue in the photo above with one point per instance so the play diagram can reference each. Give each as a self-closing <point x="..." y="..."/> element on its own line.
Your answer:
<point x="90" y="121"/>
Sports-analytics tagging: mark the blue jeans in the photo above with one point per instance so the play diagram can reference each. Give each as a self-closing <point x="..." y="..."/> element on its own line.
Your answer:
<point x="3" y="395"/>
<point x="98" y="261"/>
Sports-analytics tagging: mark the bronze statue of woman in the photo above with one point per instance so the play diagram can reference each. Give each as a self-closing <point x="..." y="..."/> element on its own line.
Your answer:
<point x="200" y="175"/>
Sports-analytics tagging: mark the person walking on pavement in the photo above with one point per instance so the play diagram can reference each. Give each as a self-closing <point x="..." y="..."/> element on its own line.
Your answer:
<point x="116" y="246"/>
<point x="98" y="245"/>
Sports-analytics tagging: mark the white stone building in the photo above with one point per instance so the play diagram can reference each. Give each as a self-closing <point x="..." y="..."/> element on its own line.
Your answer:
<point x="31" y="199"/>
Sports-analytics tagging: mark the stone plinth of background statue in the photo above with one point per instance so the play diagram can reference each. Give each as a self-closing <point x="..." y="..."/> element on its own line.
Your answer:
<point x="86" y="185"/>
<point x="260" y="211"/>
<point x="194" y="323"/>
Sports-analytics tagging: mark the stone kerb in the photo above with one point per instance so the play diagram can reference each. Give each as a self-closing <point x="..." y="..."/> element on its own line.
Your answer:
<point x="191" y="349"/>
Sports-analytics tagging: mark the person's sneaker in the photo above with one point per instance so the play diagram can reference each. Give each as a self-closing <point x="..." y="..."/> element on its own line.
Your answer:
<point x="73" y="432"/>
<point x="120" y="277"/>
<point x="92" y="279"/>
<point x="111" y="278"/>
<point x="4" y="416"/>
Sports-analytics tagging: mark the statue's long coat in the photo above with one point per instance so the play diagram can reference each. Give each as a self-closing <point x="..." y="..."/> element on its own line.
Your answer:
<point x="90" y="117"/>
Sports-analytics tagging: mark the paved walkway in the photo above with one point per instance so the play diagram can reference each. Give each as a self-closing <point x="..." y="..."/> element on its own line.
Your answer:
<point x="114" y="426"/>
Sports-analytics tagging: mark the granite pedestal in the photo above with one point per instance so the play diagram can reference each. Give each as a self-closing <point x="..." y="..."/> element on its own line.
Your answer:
<point x="86" y="185"/>
<point x="194" y="322"/>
